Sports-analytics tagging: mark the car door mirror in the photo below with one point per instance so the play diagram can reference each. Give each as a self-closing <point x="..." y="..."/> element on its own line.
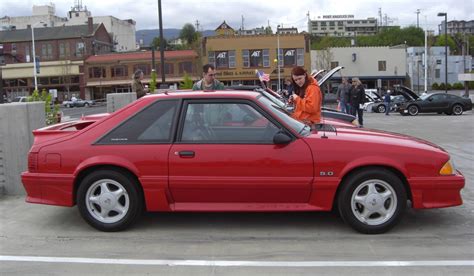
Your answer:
<point x="281" y="138"/>
<point x="430" y="99"/>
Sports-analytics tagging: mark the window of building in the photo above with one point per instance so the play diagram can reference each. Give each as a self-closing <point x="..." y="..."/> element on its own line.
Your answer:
<point x="55" y="80"/>
<point x="169" y="69"/>
<point x="97" y="72"/>
<point x="437" y="73"/>
<point x="80" y="49"/>
<point x="382" y="65"/>
<point x="438" y="61"/>
<point x="27" y="54"/>
<point x="119" y="71"/>
<point x="292" y="57"/>
<point x="222" y="59"/>
<point x="185" y="67"/>
<point x="62" y="51"/>
<point x="145" y="68"/>
<point x="334" y="64"/>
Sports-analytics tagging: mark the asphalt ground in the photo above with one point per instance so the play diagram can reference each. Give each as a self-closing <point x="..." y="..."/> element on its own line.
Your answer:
<point x="49" y="240"/>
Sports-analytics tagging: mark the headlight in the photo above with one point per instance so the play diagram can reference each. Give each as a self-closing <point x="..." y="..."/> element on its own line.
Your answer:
<point x="448" y="168"/>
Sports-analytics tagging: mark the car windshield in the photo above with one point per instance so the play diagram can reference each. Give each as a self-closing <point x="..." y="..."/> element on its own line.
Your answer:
<point x="425" y="96"/>
<point x="17" y="99"/>
<point x="283" y="115"/>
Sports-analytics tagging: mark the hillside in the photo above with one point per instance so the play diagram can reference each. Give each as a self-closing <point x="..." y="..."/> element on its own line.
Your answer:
<point x="148" y="35"/>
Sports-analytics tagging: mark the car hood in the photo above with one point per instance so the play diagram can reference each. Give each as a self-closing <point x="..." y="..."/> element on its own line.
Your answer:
<point x="329" y="74"/>
<point x="373" y="136"/>
<point x="406" y="92"/>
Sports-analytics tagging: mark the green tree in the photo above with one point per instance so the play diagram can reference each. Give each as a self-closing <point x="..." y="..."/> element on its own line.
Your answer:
<point x="156" y="43"/>
<point x="52" y="114"/>
<point x="153" y="81"/>
<point x="440" y="41"/>
<point x="188" y="34"/>
<point x="187" y="82"/>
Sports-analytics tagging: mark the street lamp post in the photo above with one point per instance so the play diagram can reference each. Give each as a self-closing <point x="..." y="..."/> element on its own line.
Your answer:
<point x="34" y="53"/>
<point x="445" y="48"/>
<point x="278" y="56"/>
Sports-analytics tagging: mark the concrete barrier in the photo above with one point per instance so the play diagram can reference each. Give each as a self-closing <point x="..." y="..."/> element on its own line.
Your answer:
<point x="17" y="120"/>
<point x="115" y="101"/>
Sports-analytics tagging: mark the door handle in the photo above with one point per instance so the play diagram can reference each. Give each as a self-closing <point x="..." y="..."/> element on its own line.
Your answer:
<point x="185" y="153"/>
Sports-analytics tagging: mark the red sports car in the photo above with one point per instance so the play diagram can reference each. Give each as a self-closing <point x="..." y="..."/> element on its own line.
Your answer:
<point x="226" y="151"/>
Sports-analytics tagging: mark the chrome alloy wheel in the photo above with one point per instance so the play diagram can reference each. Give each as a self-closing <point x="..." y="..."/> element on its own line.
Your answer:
<point x="374" y="202"/>
<point x="107" y="201"/>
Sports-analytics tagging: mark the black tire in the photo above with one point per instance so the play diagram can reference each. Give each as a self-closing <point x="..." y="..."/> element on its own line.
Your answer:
<point x="103" y="206"/>
<point x="86" y="104"/>
<point x="381" y="108"/>
<point x="413" y="110"/>
<point x="377" y="189"/>
<point x="457" y="109"/>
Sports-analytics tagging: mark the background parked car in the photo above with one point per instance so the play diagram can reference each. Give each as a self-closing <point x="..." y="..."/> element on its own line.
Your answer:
<point x="436" y="103"/>
<point x="78" y="103"/>
<point x="20" y="100"/>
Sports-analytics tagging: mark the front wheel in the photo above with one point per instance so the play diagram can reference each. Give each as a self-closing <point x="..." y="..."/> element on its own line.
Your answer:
<point x="109" y="200"/>
<point x="413" y="110"/>
<point x="372" y="201"/>
<point x="381" y="108"/>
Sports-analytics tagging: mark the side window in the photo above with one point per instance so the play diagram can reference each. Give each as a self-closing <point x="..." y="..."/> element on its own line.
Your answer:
<point x="226" y="123"/>
<point x="151" y="125"/>
<point x="438" y="97"/>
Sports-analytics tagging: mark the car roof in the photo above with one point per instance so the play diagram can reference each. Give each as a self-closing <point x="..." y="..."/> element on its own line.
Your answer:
<point x="205" y="94"/>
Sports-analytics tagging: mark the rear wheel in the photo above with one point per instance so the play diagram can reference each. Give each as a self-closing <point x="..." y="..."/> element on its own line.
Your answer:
<point x="457" y="109"/>
<point x="413" y="110"/>
<point x="109" y="200"/>
<point x="372" y="201"/>
<point x="86" y="104"/>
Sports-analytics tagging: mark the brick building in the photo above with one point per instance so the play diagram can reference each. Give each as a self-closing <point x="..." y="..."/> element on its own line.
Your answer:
<point x="61" y="52"/>
<point x="112" y="73"/>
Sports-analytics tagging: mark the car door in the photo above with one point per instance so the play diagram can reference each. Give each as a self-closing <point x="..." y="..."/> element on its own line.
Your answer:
<point x="436" y="103"/>
<point x="225" y="153"/>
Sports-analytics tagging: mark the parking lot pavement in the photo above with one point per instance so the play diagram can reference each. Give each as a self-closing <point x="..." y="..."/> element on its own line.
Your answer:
<point x="426" y="242"/>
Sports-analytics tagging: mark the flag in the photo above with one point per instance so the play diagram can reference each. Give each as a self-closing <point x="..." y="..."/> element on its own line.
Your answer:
<point x="262" y="76"/>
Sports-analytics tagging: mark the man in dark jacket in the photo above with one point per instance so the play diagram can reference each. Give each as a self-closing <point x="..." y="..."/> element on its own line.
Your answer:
<point x="357" y="100"/>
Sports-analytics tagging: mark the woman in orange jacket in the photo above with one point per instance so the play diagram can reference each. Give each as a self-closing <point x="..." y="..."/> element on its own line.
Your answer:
<point x="306" y="98"/>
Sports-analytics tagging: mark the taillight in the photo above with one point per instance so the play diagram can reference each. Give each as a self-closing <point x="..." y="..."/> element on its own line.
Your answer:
<point x="33" y="162"/>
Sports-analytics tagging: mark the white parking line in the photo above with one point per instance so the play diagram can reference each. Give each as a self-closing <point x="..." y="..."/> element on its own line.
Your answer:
<point x="223" y="263"/>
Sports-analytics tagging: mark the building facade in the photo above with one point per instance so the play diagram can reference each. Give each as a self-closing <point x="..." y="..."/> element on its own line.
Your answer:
<point x="237" y="57"/>
<point x="342" y="26"/>
<point x="60" y="52"/>
<point x="121" y="31"/>
<point x="112" y="73"/>
<point x="372" y="65"/>
<point x="435" y="67"/>
<point x="458" y="27"/>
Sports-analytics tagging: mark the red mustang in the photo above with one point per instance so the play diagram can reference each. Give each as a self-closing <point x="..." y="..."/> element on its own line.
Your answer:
<point x="227" y="151"/>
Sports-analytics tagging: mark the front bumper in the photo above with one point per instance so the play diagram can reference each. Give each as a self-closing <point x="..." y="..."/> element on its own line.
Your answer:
<point x="51" y="189"/>
<point x="437" y="192"/>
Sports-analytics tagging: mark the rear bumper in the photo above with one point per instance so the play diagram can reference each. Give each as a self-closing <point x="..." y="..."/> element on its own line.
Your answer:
<point x="51" y="189"/>
<point x="437" y="192"/>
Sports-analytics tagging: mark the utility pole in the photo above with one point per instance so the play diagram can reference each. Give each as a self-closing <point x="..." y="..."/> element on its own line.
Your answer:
<point x="417" y="18"/>
<point x="162" y="45"/>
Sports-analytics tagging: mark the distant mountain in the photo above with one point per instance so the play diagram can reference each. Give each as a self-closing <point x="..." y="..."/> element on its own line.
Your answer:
<point x="148" y="35"/>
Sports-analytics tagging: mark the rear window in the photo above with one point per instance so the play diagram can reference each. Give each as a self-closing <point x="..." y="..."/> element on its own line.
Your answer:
<point x="149" y="126"/>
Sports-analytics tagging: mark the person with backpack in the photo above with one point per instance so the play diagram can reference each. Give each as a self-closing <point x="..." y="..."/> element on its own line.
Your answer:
<point x="209" y="81"/>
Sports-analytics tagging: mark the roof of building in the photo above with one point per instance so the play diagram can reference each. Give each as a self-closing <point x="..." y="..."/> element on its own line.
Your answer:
<point x="142" y="55"/>
<point x="48" y="33"/>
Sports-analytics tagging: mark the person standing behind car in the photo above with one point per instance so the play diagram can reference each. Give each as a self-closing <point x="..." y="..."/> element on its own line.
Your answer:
<point x="342" y="95"/>
<point x="137" y="85"/>
<point x="386" y="100"/>
<point x="357" y="99"/>
<point x="209" y="81"/>
<point x="306" y="97"/>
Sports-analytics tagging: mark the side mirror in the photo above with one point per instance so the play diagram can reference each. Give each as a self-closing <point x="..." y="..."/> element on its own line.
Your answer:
<point x="430" y="99"/>
<point x="281" y="138"/>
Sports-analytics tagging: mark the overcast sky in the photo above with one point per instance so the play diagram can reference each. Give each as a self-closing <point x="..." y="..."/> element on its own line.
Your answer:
<point x="256" y="13"/>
